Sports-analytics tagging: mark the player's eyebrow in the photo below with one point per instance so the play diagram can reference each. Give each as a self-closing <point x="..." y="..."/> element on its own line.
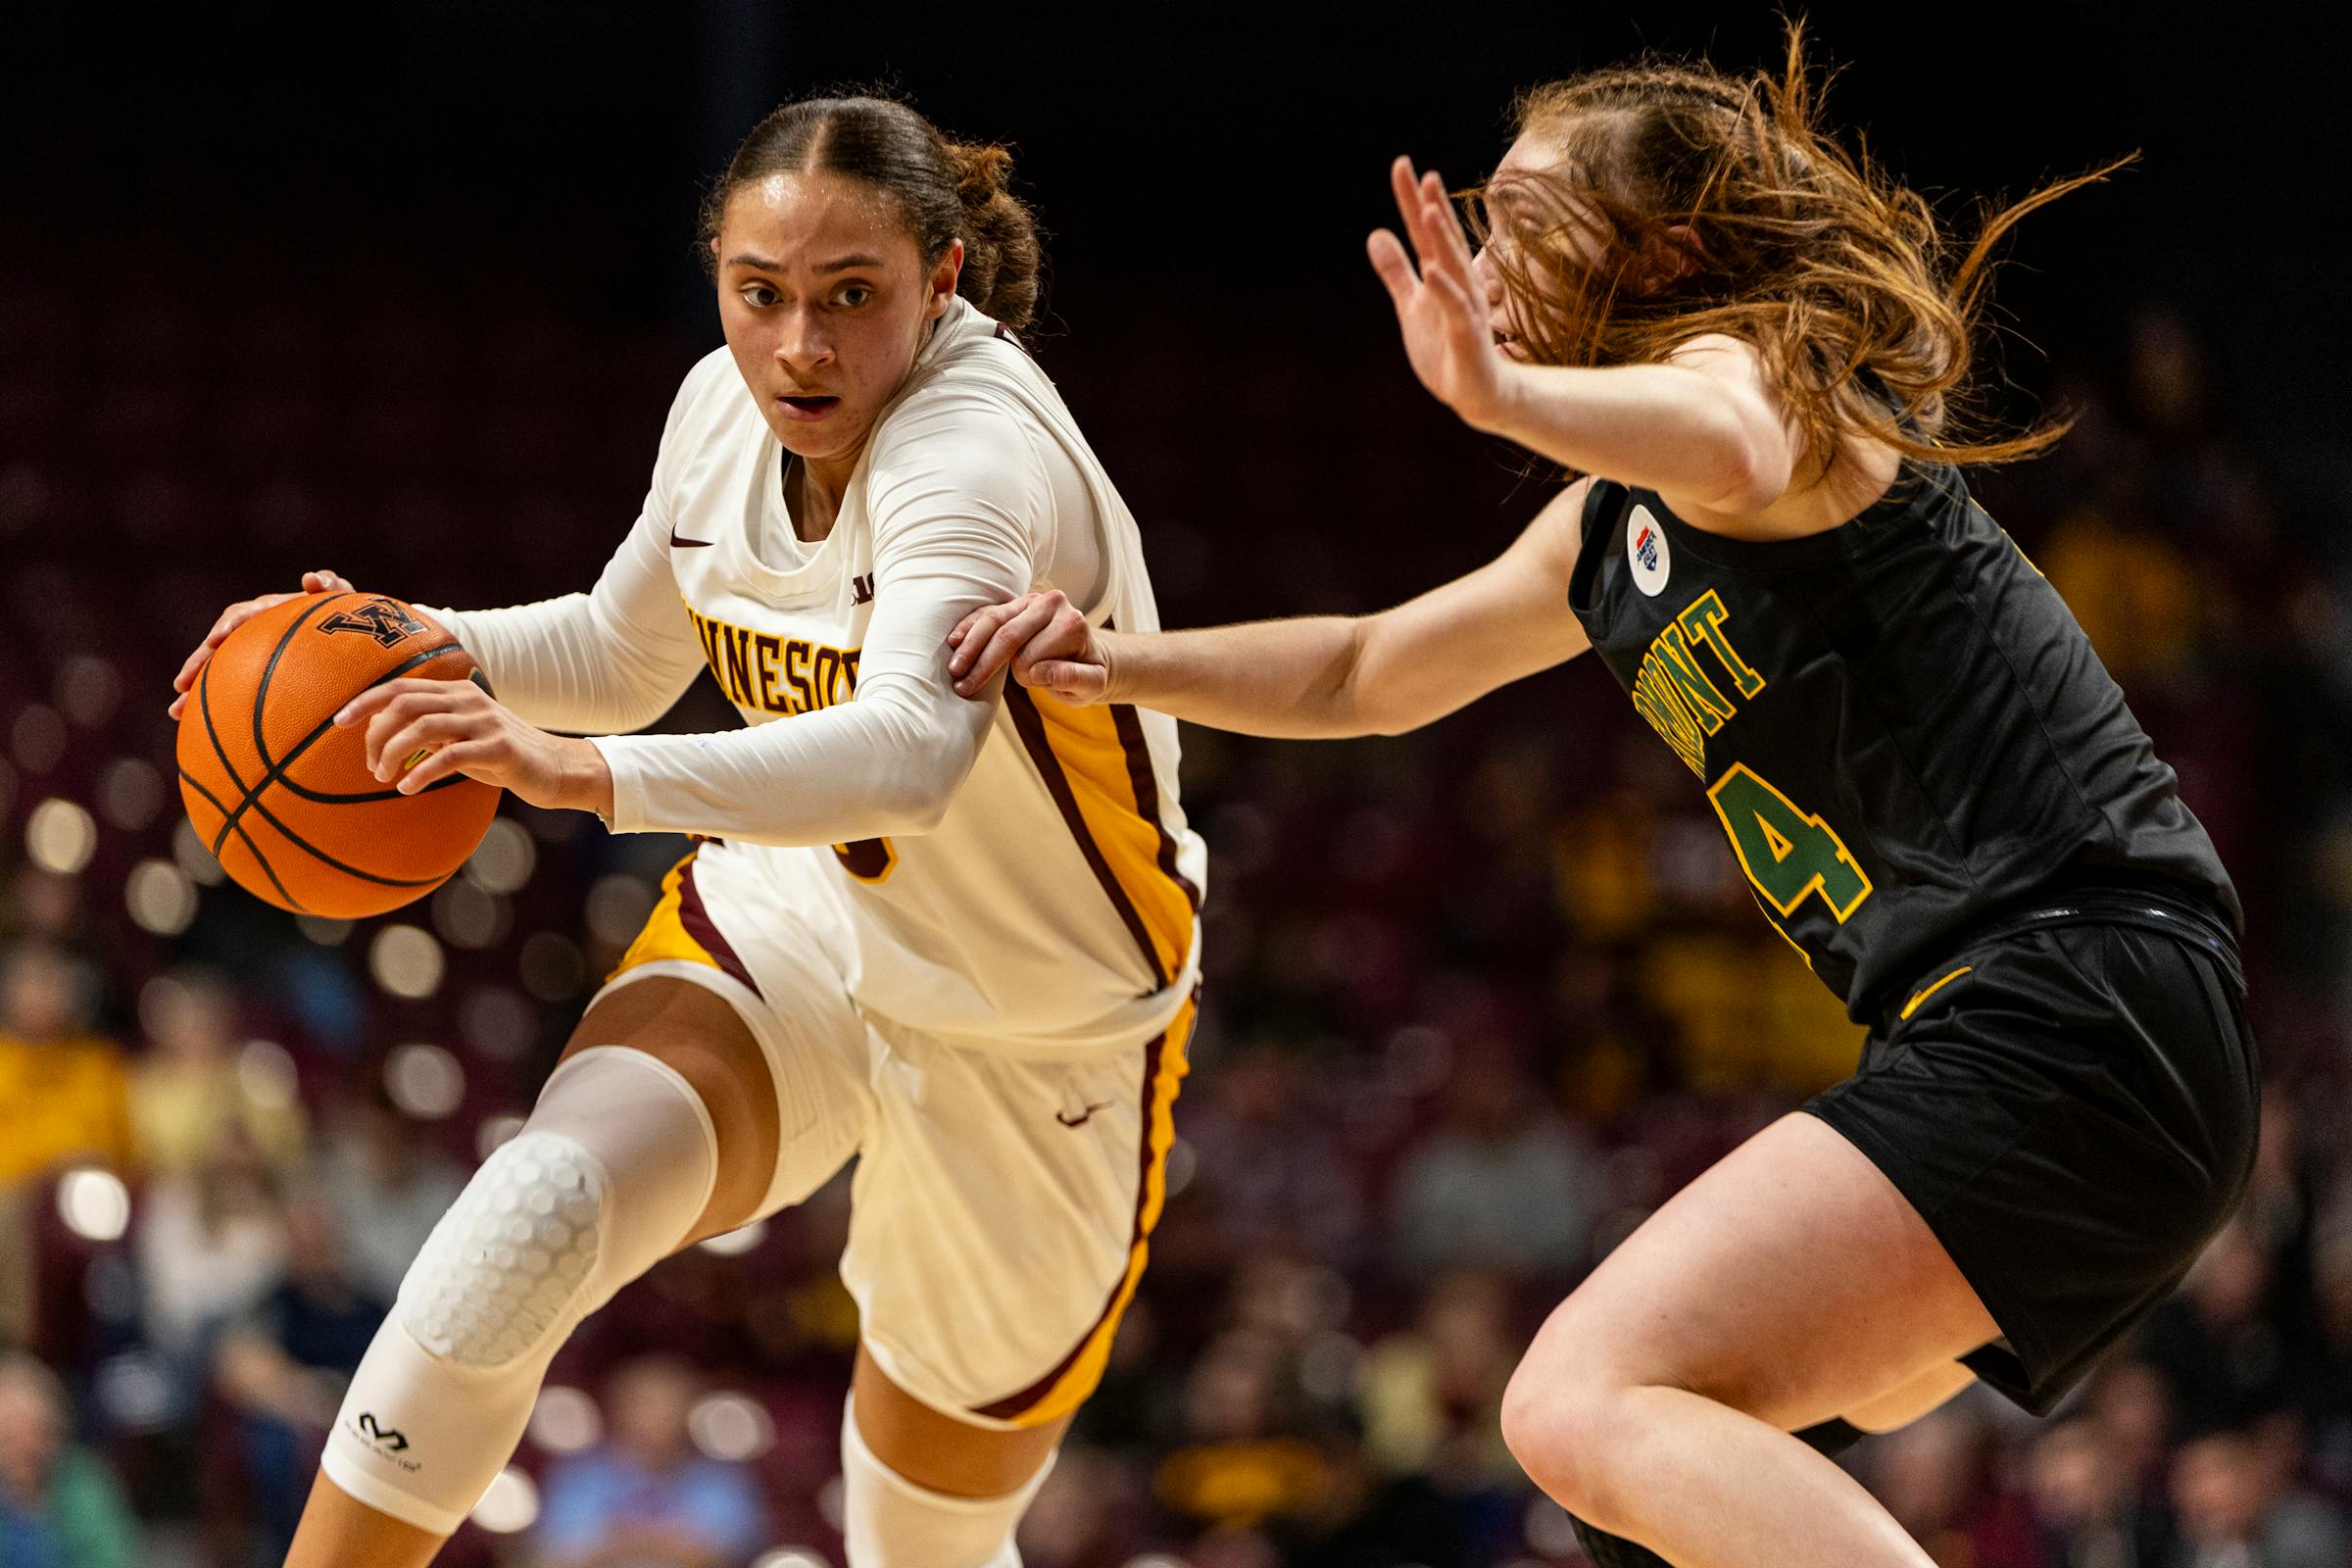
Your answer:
<point x="840" y="265"/>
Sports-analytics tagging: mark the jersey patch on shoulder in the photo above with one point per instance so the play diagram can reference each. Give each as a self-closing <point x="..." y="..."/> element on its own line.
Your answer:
<point x="1645" y="552"/>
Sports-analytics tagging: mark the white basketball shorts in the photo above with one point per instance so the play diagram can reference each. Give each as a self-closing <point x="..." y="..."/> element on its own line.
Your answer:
<point x="1002" y="1207"/>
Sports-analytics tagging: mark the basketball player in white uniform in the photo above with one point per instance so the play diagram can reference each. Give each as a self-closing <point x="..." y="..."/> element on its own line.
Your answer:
<point x="872" y="457"/>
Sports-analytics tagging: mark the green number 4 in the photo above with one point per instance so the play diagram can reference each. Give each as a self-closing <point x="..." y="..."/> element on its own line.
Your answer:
<point x="1786" y="853"/>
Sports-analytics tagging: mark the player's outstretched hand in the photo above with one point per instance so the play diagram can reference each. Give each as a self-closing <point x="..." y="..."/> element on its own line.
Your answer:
<point x="236" y="615"/>
<point x="423" y="730"/>
<point x="1042" y="637"/>
<point x="1441" y="307"/>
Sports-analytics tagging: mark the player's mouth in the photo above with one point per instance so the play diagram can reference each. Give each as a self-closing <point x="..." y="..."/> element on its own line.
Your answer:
<point x="806" y="409"/>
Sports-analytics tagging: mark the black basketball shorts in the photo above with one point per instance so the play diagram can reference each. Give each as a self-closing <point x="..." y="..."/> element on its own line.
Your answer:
<point x="2070" y="1103"/>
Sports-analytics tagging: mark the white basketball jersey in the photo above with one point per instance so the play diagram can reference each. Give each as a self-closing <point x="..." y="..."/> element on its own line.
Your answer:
<point x="1054" y="908"/>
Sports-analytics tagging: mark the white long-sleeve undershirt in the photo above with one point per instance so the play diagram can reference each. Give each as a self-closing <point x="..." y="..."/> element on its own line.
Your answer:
<point x="969" y="508"/>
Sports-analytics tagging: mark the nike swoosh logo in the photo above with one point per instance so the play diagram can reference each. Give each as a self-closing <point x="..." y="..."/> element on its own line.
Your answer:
<point x="1083" y="1116"/>
<point x="677" y="543"/>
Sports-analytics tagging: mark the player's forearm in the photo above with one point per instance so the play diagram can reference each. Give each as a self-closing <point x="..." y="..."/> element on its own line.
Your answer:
<point x="558" y="668"/>
<point x="1649" y="426"/>
<point x="886" y="765"/>
<point x="1292" y="680"/>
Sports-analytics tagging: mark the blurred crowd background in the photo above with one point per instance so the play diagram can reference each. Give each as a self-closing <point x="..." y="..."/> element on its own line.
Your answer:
<point x="1477" y="999"/>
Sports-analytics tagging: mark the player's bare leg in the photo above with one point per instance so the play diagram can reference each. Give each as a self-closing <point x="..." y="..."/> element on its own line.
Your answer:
<point x="1788" y="1285"/>
<point x="1914" y="1397"/>
<point x="699" y="1036"/>
<point x="939" y="1452"/>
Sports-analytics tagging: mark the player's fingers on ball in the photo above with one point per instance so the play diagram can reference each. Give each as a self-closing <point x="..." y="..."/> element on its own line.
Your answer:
<point x="387" y="717"/>
<point x="452" y="758"/>
<point x="386" y="693"/>
<point x="426" y="730"/>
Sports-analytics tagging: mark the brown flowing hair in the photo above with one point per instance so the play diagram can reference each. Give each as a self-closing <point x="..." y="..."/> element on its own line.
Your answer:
<point x="1684" y="202"/>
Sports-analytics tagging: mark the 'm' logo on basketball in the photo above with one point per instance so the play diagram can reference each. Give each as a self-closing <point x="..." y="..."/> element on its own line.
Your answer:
<point x="388" y="620"/>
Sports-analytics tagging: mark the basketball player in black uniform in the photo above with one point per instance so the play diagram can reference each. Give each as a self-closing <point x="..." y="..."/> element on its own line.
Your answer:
<point x="1746" y="344"/>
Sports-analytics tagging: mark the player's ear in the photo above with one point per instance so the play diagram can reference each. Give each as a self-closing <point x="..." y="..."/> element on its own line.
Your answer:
<point x="943" y="278"/>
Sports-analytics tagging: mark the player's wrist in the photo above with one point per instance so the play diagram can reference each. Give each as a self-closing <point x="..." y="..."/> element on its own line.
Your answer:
<point x="587" y="780"/>
<point x="1500" y="408"/>
<point x="1109" y="647"/>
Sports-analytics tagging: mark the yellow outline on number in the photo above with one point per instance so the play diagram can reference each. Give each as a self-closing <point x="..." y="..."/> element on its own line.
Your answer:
<point x="1816" y="885"/>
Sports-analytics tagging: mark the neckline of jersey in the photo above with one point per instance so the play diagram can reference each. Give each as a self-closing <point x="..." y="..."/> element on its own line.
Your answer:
<point x="818" y="559"/>
<point x="1915" y="489"/>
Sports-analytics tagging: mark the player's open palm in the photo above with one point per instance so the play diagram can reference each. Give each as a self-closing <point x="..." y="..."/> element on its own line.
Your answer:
<point x="1047" y="644"/>
<point x="1439" y="305"/>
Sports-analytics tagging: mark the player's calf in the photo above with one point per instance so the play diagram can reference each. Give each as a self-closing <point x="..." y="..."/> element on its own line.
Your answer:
<point x="890" y="1522"/>
<point x="1831" y="1437"/>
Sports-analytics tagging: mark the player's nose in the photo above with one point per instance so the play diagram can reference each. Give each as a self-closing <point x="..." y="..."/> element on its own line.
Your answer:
<point x="803" y="343"/>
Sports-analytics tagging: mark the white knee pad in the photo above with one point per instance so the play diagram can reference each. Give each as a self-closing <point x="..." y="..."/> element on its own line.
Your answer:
<point x="610" y="1173"/>
<point x="890" y="1522"/>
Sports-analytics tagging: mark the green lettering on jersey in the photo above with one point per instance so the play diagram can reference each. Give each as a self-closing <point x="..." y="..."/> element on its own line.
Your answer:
<point x="1673" y="689"/>
<point x="1703" y="621"/>
<point x="1789" y="853"/>
<point x="1674" y="659"/>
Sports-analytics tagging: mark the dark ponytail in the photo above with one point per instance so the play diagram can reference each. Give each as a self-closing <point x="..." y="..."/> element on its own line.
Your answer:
<point x="945" y="190"/>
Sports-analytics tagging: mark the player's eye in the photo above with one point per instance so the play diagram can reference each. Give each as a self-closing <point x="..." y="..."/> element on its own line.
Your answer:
<point x="854" y="295"/>
<point x="759" y="296"/>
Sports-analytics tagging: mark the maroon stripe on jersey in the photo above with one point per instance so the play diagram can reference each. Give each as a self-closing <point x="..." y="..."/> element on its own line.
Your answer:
<point x="697" y="921"/>
<point x="1032" y="727"/>
<point x="1147" y="795"/>
<point x="1014" y="1407"/>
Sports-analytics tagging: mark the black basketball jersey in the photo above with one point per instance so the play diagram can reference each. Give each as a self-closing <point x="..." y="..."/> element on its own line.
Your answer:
<point x="1899" y="722"/>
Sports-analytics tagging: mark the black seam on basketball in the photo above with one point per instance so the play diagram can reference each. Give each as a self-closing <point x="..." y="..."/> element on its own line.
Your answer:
<point x="312" y="850"/>
<point x="326" y="799"/>
<point x="277" y="769"/>
<point x="261" y="692"/>
<point x="204" y="705"/>
<point x="260" y="859"/>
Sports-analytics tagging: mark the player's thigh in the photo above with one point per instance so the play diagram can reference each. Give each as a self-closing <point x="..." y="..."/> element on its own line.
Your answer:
<point x="940" y="1452"/>
<point x="1792" y="1282"/>
<point x="1001" y="1222"/>
<point x="1911" y="1398"/>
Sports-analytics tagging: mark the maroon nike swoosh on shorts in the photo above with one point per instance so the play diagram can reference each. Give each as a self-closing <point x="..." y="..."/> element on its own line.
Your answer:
<point x="677" y="543"/>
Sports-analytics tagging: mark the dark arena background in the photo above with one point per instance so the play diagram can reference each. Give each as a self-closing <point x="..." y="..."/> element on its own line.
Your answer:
<point x="407" y="295"/>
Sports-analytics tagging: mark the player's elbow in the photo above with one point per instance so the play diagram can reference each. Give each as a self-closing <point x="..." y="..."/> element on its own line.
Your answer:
<point x="1378" y="694"/>
<point x="913" y="797"/>
<point x="1391" y="718"/>
<point x="1750" y="466"/>
<point x="913" y="807"/>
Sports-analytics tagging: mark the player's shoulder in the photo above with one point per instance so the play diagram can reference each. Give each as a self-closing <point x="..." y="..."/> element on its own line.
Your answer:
<point x="966" y="405"/>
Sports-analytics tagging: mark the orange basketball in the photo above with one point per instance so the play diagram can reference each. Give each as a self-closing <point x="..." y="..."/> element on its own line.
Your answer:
<point x="283" y="798"/>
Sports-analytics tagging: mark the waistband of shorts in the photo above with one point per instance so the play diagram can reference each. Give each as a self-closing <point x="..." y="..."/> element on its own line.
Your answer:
<point x="2180" y="916"/>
